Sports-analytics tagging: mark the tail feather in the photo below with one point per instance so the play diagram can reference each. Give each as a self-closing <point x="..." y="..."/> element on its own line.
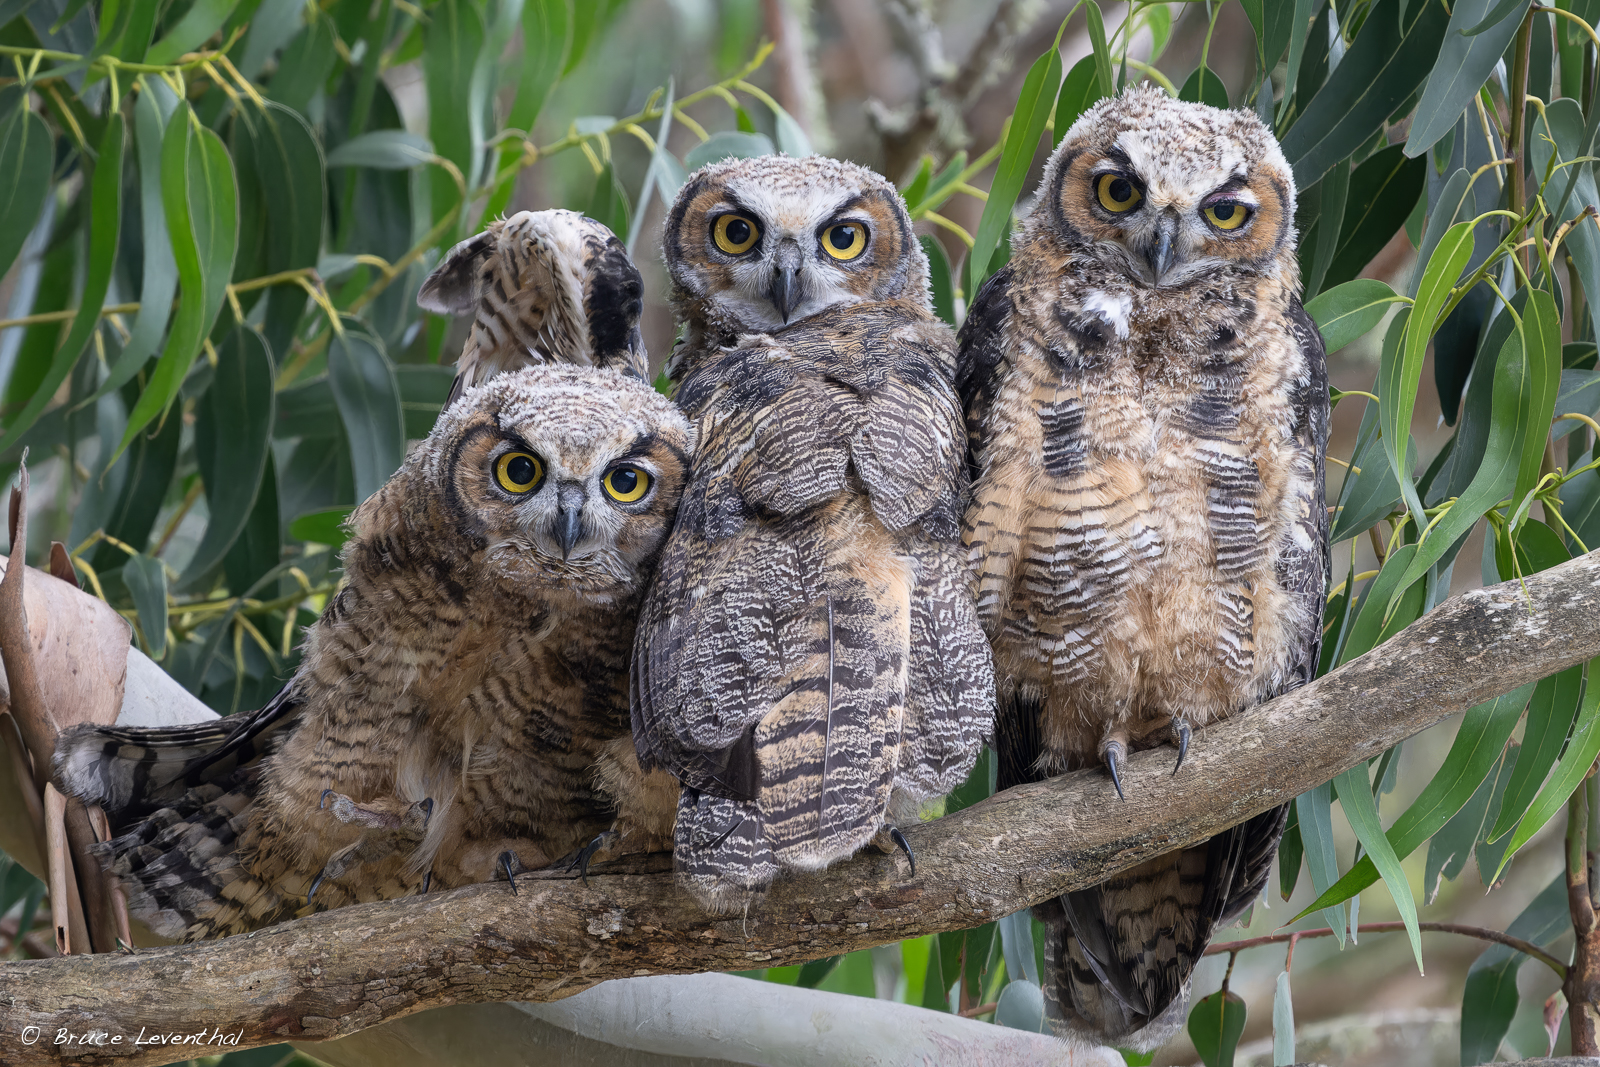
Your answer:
<point x="134" y="771"/>
<point x="1119" y="955"/>
<point x="720" y="851"/>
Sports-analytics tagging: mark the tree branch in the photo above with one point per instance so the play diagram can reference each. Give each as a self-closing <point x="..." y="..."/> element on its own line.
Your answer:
<point x="337" y="972"/>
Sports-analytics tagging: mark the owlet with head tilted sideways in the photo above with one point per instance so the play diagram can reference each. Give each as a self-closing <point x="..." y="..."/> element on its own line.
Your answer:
<point x="1147" y="403"/>
<point x="808" y="663"/>
<point x="461" y="711"/>
<point x="542" y="287"/>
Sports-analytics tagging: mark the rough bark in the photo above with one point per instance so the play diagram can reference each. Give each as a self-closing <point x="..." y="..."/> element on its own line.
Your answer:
<point x="338" y="972"/>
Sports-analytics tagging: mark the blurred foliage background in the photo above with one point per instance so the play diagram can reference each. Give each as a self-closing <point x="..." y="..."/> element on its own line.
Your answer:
<point x="215" y="214"/>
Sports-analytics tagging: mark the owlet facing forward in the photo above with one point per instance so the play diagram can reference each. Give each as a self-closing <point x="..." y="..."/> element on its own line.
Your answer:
<point x="1148" y="408"/>
<point x="462" y="707"/>
<point x="808" y="653"/>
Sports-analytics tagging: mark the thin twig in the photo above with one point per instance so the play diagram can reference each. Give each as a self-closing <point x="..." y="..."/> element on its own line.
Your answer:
<point x="1479" y="932"/>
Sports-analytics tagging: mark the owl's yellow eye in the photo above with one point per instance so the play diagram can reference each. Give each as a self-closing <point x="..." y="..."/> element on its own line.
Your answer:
<point x="845" y="241"/>
<point x="1117" y="194"/>
<point x="627" y="485"/>
<point x="1227" y="215"/>
<point x="518" y="472"/>
<point x="735" y="234"/>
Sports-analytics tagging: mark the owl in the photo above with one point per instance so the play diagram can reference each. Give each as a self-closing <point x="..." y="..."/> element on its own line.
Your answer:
<point x="461" y="711"/>
<point x="808" y="663"/>
<point x="543" y="287"/>
<point x="1147" y="411"/>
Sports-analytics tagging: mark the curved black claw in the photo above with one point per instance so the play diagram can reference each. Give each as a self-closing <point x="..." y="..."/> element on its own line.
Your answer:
<point x="314" y="883"/>
<point x="1115" y="757"/>
<point x="322" y="801"/>
<point x="900" y="842"/>
<point x="1180" y="734"/>
<point x="427" y="880"/>
<point x="511" y="863"/>
<point x="580" y="862"/>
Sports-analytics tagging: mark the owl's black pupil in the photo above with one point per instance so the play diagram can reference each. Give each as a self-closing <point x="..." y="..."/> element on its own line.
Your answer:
<point x="520" y="470"/>
<point x="842" y="237"/>
<point x="1223" y="212"/>
<point x="625" y="481"/>
<point x="1121" y="190"/>
<point x="738" y="231"/>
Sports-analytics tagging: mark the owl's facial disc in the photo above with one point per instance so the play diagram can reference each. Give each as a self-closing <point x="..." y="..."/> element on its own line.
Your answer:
<point x="788" y="266"/>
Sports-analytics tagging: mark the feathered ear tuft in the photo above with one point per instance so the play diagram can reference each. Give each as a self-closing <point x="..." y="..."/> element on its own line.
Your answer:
<point x="448" y="290"/>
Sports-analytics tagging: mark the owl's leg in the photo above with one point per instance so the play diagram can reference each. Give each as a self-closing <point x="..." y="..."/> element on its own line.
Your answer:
<point x="392" y="829"/>
<point x="1114" y="754"/>
<point x="586" y="854"/>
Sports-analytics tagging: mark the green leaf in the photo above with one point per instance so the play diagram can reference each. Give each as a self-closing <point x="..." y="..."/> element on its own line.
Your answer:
<point x="1215" y="1026"/>
<point x="1464" y="65"/>
<point x="458" y="81"/>
<point x="1490" y="998"/>
<point x="979" y="784"/>
<point x="1379" y="72"/>
<point x="150" y="466"/>
<point x="1477" y="747"/>
<point x="1333" y="192"/>
<point x="105" y="225"/>
<point x="791" y="138"/>
<point x="852" y="976"/>
<point x="914" y="956"/>
<point x="27" y="152"/>
<point x="1383" y="191"/>
<point x="1102" y="54"/>
<point x="1079" y="91"/>
<point x="1542" y="336"/>
<point x="655" y="173"/>
<point x="1366" y="497"/>
<point x="944" y="300"/>
<point x="1350" y="311"/>
<point x="586" y="21"/>
<point x="1564" y="124"/>
<point x="1204" y="87"/>
<point x="1021" y="1006"/>
<point x="160" y="270"/>
<point x="368" y="397"/>
<point x="1377" y="621"/>
<point x="1022" y="141"/>
<point x="1283" y="1021"/>
<point x="259" y="546"/>
<point x="1314" y="810"/>
<point x="815" y="971"/>
<point x="305" y="65"/>
<point x="1016" y="943"/>
<point x="201" y="205"/>
<point x="1570" y="769"/>
<point x="1291" y="855"/>
<point x="146" y="579"/>
<point x="1300" y="30"/>
<point x="1501" y="12"/>
<point x="1273" y="21"/>
<point x="325" y="527"/>
<point x="1451" y="845"/>
<point x="1355" y="797"/>
<point x="1550" y="717"/>
<point x="546" y="35"/>
<point x="280" y="164"/>
<point x="202" y="20"/>
<point x="1401" y="368"/>
<point x="383" y="150"/>
<point x="727" y="145"/>
<point x="232" y="439"/>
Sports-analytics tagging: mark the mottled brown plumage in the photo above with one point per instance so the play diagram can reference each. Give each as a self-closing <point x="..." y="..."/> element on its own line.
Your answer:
<point x="1148" y="411"/>
<point x="808" y="663"/>
<point x="542" y="287"/>
<point x="462" y="702"/>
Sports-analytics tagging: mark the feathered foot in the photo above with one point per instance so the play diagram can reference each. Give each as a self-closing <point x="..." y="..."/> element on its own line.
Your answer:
<point x="390" y="832"/>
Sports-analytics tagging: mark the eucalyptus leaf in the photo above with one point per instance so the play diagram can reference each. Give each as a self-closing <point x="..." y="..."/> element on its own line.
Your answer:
<point x="368" y="398"/>
<point x="1464" y="64"/>
<point x="26" y="155"/>
<point x="727" y="145"/>
<point x="384" y="150"/>
<point x="1022" y="141"/>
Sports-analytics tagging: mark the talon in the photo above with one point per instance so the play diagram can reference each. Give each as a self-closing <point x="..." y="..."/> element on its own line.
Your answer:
<point x="315" y="882"/>
<point x="580" y="862"/>
<point x="322" y="801"/>
<point x="427" y="880"/>
<point x="1180" y="734"/>
<point x="900" y="841"/>
<point x="511" y="863"/>
<point x="1115" y="756"/>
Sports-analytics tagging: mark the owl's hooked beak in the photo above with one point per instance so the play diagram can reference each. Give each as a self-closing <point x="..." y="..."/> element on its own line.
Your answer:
<point x="787" y="289"/>
<point x="569" y="517"/>
<point x="1158" y="251"/>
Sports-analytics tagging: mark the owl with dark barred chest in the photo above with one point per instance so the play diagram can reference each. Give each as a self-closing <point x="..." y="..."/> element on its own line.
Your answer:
<point x="808" y="663"/>
<point x="1147" y="409"/>
<point x="461" y="712"/>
